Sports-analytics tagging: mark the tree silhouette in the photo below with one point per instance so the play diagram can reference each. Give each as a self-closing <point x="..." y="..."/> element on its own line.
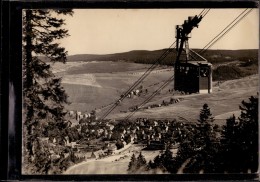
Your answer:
<point x="230" y="145"/>
<point x="137" y="165"/>
<point x="132" y="164"/>
<point x="236" y="151"/>
<point x="205" y="114"/>
<point x="239" y="144"/>
<point x="248" y="132"/>
<point x="44" y="97"/>
<point x="141" y="162"/>
<point x="205" y="126"/>
<point x="163" y="162"/>
<point x="208" y="142"/>
<point x="198" y="151"/>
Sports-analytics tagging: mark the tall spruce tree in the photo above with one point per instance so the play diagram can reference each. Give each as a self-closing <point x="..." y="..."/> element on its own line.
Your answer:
<point x="43" y="95"/>
<point x="164" y="161"/>
<point x="208" y="142"/>
<point x="248" y="135"/>
<point x="197" y="154"/>
<point x="230" y="146"/>
<point x="137" y="164"/>
<point x="239" y="144"/>
<point x="205" y="114"/>
<point x="141" y="161"/>
<point x="205" y="126"/>
<point x="132" y="164"/>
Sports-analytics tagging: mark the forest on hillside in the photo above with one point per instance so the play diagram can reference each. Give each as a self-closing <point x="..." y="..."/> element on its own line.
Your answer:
<point x="149" y="57"/>
<point x="227" y="64"/>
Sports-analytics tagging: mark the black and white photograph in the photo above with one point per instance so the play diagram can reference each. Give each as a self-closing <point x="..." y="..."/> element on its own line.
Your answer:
<point x="140" y="91"/>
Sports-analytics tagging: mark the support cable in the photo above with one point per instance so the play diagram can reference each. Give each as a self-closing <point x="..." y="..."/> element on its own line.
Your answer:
<point x="215" y="39"/>
<point x="225" y="30"/>
<point x="151" y="96"/>
<point x="145" y="74"/>
<point x="203" y="13"/>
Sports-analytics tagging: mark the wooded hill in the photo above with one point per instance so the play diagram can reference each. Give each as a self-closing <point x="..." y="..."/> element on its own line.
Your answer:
<point x="227" y="64"/>
<point x="149" y="57"/>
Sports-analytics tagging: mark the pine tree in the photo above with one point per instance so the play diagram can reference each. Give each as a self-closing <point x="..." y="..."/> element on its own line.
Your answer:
<point x="230" y="146"/>
<point x="157" y="162"/>
<point x="208" y="144"/>
<point x="141" y="161"/>
<point x="198" y="152"/>
<point x="43" y="95"/>
<point x="41" y="158"/>
<point x="240" y="140"/>
<point x="137" y="165"/>
<point x="132" y="164"/>
<point x="248" y="135"/>
<point x="205" y="114"/>
<point x="205" y="126"/>
<point x="167" y="159"/>
<point x="150" y="165"/>
<point x="229" y="132"/>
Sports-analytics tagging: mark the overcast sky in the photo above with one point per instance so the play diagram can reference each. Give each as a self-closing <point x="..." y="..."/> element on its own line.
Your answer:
<point x="103" y="31"/>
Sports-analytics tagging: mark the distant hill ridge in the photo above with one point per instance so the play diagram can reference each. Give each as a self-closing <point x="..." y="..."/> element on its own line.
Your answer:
<point x="148" y="57"/>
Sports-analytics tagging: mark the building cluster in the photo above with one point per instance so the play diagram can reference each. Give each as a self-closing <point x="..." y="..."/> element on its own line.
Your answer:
<point x="78" y="115"/>
<point x="163" y="103"/>
<point x="101" y="138"/>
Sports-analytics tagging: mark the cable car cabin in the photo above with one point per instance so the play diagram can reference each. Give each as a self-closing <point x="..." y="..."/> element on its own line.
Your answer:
<point x="193" y="77"/>
<point x="193" y="73"/>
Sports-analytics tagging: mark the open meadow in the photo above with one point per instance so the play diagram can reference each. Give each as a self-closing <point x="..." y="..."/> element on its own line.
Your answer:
<point x="97" y="85"/>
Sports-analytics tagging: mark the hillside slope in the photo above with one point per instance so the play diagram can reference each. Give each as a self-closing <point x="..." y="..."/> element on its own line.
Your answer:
<point x="149" y="57"/>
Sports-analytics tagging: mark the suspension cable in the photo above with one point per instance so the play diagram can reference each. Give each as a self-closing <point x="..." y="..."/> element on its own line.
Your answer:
<point x="145" y="74"/>
<point x="151" y="96"/>
<point x="219" y="36"/>
<point x="225" y="30"/>
<point x="203" y="13"/>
